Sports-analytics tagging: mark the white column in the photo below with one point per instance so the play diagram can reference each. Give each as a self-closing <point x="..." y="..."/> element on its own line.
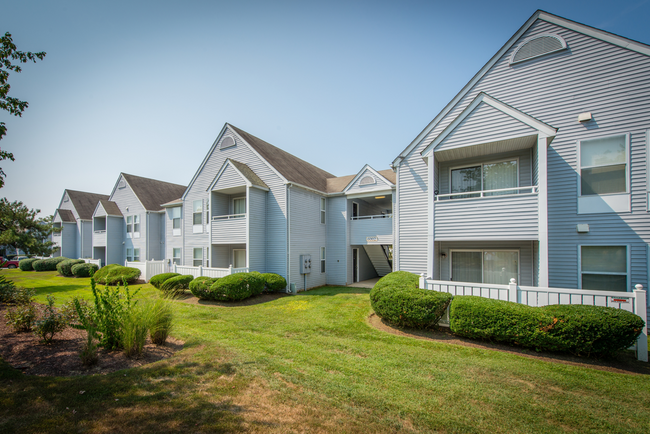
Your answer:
<point x="430" y="222"/>
<point x="641" y="309"/>
<point x="542" y="207"/>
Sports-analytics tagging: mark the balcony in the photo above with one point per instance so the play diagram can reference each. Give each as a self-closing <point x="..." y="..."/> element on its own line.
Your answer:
<point x="504" y="214"/>
<point x="228" y="229"/>
<point x="371" y="229"/>
<point x="99" y="238"/>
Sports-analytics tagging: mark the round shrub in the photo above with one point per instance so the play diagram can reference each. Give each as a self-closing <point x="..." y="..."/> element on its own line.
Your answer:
<point x="65" y="267"/>
<point x="114" y="274"/>
<point x="48" y="264"/>
<point x="255" y="282"/>
<point x="159" y="279"/>
<point x="576" y="329"/>
<point x="84" y="270"/>
<point x="200" y="287"/>
<point x="176" y="285"/>
<point x="397" y="299"/>
<point x="274" y="282"/>
<point x="233" y="287"/>
<point x="26" y="264"/>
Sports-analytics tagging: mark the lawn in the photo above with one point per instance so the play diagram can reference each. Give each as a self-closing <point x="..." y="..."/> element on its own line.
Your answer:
<point x="311" y="363"/>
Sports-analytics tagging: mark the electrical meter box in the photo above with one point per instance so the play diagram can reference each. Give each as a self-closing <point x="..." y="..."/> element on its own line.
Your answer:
<point x="305" y="264"/>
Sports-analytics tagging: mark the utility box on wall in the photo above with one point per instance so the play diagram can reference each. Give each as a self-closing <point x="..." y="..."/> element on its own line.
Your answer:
<point x="305" y="264"/>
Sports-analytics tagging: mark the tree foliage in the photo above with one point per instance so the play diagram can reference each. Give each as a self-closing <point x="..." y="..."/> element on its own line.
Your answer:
<point x="10" y="60"/>
<point x="20" y="229"/>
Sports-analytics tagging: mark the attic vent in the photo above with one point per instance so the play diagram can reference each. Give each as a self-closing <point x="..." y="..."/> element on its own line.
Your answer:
<point x="66" y="198"/>
<point x="122" y="184"/>
<point x="367" y="180"/>
<point x="538" y="46"/>
<point x="227" y="142"/>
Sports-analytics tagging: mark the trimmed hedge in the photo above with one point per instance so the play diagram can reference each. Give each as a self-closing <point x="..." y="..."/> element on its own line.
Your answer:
<point x="576" y="329"/>
<point x="48" y="264"/>
<point x="84" y="270"/>
<point x="176" y="285"/>
<point x="113" y="274"/>
<point x="397" y="299"/>
<point x="274" y="282"/>
<point x="255" y="281"/>
<point x="159" y="279"/>
<point x="65" y="267"/>
<point x="200" y="286"/>
<point x="26" y="264"/>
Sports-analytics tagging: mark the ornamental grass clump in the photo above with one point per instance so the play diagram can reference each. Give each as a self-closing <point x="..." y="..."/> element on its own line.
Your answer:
<point x="159" y="279"/>
<point x="397" y="299"/>
<point x="161" y="320"/>
<point x="65" y="267"/>
<point x="135" y="328"/>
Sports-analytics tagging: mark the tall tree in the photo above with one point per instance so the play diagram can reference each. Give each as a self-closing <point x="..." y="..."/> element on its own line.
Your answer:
<point x="20" y="229"/>
<point x="10" y="60"/>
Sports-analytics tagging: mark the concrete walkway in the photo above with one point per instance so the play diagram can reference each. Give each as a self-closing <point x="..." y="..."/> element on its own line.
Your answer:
<point x="366" y="283"/>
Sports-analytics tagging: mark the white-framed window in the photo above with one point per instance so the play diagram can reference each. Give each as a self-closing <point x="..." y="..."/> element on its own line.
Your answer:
<point x="239" y="258"/>
<point x="136" y="255"/>
<point x="239" y="206"/>
<point x="322" y="259"/>
<point x="176" y="221"/>
<point x="129" y="254"/>
<point x="322" y="210"/>
<point x="604" y="174"/>
<point x="197" y="257"/>
<point x="493" y="175"/>
<point x="176" y="255"/>
<point x="604" y="267"/>
<point x="136" y="226"/>
<point x="197" y="217"/>
<point x="129" y="226"/>
<point x="132" y="255"/>
<point x="484" y="266"/>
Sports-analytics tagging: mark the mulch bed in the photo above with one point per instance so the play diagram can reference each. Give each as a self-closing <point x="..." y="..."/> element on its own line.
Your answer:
<point x="25" y="352"/>
<point x="624" y="362"/>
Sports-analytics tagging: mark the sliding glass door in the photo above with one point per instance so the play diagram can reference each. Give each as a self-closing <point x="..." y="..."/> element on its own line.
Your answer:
<point x="485" y="266"/>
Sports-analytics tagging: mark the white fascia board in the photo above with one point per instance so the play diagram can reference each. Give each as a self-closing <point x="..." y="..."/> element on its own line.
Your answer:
<point x="269" y="165"/>
<point x="361" y="172"/>
<point x="205" y="160"/>
<point x="370" y="194"/>
<point x="479" y="75"/>
<point x="220" y="172"/>
<point x="294" y="184"/>
<point x="259" y="187"/>
<point x="483" y="97"/>
<point x="99" y="205"/>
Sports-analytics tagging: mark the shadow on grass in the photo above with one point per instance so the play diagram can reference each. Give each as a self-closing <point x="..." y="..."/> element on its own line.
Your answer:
<point x="334" y="290"/>
<point x="251" y="301"/>
<point x="185" y="396"/>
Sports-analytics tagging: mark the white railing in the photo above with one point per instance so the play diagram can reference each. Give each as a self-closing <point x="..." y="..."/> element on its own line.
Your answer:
<point x="207" y="271"/>
<point x="148" y="268"/>
<point x="372" y="217"/>
<point x="97" y="262"/>
<point x="229" y="216"/>
<point x="533" y="189"/>
<point x="536" y="296"/>
<point x="100" y="231"/>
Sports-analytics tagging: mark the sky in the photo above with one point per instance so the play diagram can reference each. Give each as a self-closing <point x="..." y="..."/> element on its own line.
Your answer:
<point x="145" y="87"/>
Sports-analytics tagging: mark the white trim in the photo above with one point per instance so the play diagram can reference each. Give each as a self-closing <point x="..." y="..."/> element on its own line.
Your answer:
<point x="198" y="228"/>
<point x="451" y="251"/>
<point x="357" y="265"/>
<point x="322" y="261"/>
<point x="370" y="194"/>
<point x="542" y="208"/>
<point x="367" y="168"/>
<point x="628" y="265"/>
<point x="234" y="142"/>
<point x="532" y="38"/>
<point x="322" y="210"/>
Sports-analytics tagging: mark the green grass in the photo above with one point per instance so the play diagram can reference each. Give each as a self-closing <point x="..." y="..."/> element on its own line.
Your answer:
<point x="311" y="363"/>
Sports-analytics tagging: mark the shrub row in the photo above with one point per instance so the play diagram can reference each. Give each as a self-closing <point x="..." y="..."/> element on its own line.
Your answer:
<point x="65" y="267"/>
<point x="48" y="264"/>
<point x="200" y="286"/>
<point x="176" y="285"/>
<point x="159" y="279"/>
<point x="397" y="299"/>
<point x="576" y="329"/>
<point x="114" y="274"/>
<point x="26" y="264"/>
<point x="84" y="270"/>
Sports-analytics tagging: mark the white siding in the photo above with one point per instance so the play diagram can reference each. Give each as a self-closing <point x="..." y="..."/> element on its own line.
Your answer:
<point x="172" y="242"/>
<point x="229" y="178"/>
<point x="256" y="229"/>
<point x="125" y="198"/>
<point x="380" y="184"/>
<point x="336" y="261"/>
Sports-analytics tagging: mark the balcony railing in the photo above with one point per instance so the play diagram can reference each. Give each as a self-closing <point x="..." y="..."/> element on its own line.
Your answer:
<point x="99" y="238"/>
<point x="228" y="229"/>
<point x="229" y="217"/>
<point x="371" y="229"/>
<point x="488" y="193"/>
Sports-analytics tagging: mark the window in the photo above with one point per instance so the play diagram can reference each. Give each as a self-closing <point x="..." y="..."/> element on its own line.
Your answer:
<point x="129" y="255"/>
<point x="129" y="226"/>
<point x="176" y="221"/>
<point x="198" y="257"/>
<point x="603" y="267"/>
<point x="239" y="258"/>
<point x="136" y="255"/>
<point x="239" y="206"/>
<point x="485" y="266"/>
<point x="603" y="166"/>
<point x="322" y="259"/>
<point x="136" y="226"/>
<point x="322" y="210"/>
<point x="176" y="256"/>
<point x="496" y="175"/>
<point x="197" y="217"/>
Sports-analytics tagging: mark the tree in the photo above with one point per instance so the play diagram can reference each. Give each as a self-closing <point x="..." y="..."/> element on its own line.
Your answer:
<point x="10" y="59"/>
<point x="20" y="229"/>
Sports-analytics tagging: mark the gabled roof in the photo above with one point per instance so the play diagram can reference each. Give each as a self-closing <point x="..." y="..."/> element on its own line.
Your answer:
<point x="84" y="203"/>
<point x="66" y="216"/>
<point x="246" y="173"/>
<point x="173" y="203"/>
<point x="541" y="15"/>
<point x="291" y="167"/>
<point x="111" y="208"/>
<point x="152" y="192"/>
<point x="342" y="183"/>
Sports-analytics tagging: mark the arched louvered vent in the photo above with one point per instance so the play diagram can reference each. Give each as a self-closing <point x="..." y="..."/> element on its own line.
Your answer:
<point x="66" y="198"/>
<point x="538" y="46"/>
<point x="367" y="180"/>
<point x="227" y="142"/>
<point x="122" y="184"/>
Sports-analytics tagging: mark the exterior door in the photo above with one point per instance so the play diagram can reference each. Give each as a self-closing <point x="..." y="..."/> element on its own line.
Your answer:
<point x="239" y="258"/>
<point x="355" y="265"/>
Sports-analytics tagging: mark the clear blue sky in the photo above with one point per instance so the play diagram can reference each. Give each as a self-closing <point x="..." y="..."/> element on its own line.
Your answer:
<point x="144" y="87"/>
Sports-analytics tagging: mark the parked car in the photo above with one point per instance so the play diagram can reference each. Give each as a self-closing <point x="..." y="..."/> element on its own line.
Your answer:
<point x="13" y="262"/>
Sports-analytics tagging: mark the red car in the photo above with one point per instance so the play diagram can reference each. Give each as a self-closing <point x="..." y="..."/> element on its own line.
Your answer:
<point x="11" y="263"/>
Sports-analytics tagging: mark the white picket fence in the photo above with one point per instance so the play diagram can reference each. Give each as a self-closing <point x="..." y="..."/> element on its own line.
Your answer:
<point x="634" y="301"/>
<point x="97" y="262"/>
<point x="148" y="269"/>
<point x="206" y="271"/>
